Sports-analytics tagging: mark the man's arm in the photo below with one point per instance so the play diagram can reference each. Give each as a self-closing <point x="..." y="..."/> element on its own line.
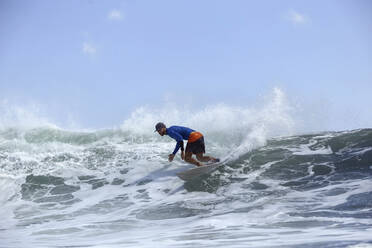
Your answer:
<point x="179" y="139"/>
<point x="179" y="144"/>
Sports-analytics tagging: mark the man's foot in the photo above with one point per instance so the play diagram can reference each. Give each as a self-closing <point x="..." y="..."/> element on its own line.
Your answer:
<point x="215" y="160"/>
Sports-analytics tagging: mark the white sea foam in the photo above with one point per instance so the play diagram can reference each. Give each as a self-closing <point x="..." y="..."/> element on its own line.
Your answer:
<point x="306" y="149"/>
<point x="151" y="206"/>
<point x="22" y="116"/>
<point x="243" y="129"/>
<point x="361" y="245"/>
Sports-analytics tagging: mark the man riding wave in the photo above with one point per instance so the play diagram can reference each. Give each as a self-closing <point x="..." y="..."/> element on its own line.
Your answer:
<point x="195" y="143"/>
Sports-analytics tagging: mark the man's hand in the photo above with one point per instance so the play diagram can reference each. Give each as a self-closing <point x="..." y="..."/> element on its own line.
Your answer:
<point x="183" y="155"/>
<point x="170" y="157"/>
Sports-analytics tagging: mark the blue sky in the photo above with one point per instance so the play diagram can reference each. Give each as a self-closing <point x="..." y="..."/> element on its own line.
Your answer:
<point x="97" y="61"/>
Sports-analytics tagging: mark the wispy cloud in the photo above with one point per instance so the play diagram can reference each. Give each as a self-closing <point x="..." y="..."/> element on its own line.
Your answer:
<point x="115" y="15"/>
<point x="297" y="18"/>
<point x="88" y="48"/>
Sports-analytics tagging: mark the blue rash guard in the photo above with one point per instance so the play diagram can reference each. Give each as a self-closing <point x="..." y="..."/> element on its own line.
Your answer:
<point x="179" y="134"/>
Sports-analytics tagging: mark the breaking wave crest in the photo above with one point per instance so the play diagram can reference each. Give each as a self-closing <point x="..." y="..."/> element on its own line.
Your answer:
<point x="115" y="187"/>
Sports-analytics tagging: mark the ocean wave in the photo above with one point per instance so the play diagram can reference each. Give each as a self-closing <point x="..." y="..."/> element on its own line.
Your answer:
<point x="115" y="186"/>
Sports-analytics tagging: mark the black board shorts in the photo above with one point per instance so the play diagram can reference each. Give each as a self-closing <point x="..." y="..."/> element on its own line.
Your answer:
<point x="197" y="146"/>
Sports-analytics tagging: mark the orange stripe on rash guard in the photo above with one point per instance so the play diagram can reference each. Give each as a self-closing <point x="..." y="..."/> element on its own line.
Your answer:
<point x="194" y="136"/>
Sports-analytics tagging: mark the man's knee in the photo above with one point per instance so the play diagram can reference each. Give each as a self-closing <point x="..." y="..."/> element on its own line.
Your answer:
<point x="199" y="156"/>
<point x="188" y="158"/>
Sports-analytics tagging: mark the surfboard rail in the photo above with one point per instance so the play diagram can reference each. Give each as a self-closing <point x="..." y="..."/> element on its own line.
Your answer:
<point x="198" y="171"/>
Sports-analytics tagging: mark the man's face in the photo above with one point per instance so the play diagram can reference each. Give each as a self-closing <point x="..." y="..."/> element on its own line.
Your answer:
<point x="162" y="131"/>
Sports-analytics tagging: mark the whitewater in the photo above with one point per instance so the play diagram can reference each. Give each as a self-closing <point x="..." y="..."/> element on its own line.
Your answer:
<point x="115" y="187"/>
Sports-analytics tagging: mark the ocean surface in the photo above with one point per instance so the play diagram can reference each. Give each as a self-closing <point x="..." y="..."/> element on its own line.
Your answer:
<point x="109" y="188"/>
<point x="115" y="187"/>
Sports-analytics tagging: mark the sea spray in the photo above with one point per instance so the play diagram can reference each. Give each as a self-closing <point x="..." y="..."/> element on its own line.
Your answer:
<point x="115" y="187"/>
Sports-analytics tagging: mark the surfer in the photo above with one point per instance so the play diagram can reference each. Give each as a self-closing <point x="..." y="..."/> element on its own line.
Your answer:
<point x="195" y="143"/>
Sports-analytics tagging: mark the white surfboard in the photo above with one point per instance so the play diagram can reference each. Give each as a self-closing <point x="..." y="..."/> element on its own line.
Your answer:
<point x="198" y="171"/>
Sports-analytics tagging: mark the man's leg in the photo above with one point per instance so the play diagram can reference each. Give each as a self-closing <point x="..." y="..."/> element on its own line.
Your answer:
<point x="203" y="158"/>
<point x="189" y="159"/>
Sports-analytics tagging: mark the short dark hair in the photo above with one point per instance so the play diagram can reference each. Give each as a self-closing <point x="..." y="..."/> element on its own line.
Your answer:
<point x="159" y="126"/>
